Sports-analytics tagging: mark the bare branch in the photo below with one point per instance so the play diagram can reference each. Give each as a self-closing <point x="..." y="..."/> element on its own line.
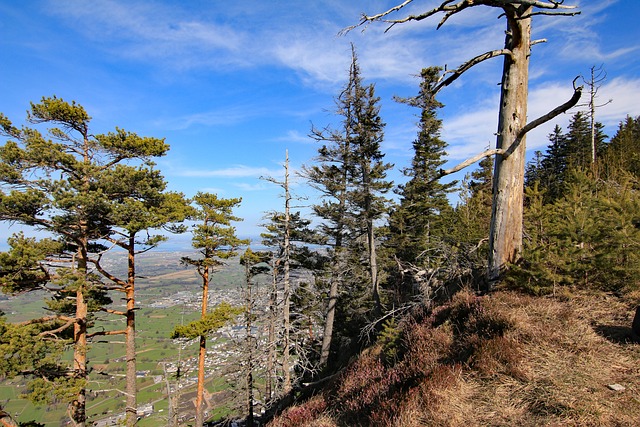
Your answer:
<point x="60" y="329"/>
<point x="577" y="93"/>
<point x="103" y="333"/>
<point x="111" y="311"/>
<point x="470" y="161"/>
<point x="548" y="13"/>
<point x="553" y="113"/>
<point x="552" y="7"/>
<point x="466" y="66"/>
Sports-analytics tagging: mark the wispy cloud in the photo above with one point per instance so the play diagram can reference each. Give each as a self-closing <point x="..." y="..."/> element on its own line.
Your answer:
<point x="238" y="171"/>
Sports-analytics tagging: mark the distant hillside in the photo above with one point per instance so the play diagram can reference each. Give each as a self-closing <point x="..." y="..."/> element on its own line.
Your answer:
<point x="505" y="359"/>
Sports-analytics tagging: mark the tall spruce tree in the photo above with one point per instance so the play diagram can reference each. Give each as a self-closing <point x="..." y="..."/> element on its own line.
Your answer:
<point x="350" y="176"/>
<point x="579" y="142"/>
<point x="55" y="183"/>
<point x="423" y="199"/>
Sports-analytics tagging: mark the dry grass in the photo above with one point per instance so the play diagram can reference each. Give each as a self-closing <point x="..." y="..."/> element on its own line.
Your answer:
<point x="501" y="360"/>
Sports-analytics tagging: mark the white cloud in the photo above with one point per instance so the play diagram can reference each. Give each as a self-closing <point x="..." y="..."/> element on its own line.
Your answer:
<point x="238" y="171"/>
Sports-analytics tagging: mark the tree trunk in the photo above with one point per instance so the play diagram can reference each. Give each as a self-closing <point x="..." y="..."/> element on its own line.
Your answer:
<point x="505" y="240"/>
<point x="287" y="286"/>
<point x="331" y="312"/>
<point x="130" y="338"/>
<point x="202" y="351"/>
<point x="77" y="410"/>
<point x="271" y="338"/>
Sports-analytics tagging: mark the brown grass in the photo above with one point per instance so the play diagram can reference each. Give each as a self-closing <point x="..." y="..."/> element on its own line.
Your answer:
<point x="501" y="360"/>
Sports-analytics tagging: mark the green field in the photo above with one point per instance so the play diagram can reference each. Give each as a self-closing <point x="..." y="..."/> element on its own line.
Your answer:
<point x="161" y="276"/>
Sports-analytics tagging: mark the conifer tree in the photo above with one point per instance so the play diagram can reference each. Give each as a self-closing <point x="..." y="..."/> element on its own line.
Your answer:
<point x="423" y="199"/>
<point x="579" y="141"/>
<point x="623" y="151"/>
<point x="55" y="183"/>
<point x="350" y="176"/>
<point x="505" y="237"/>
<point x="139" y="204"/>
<point x="215" y="239"/>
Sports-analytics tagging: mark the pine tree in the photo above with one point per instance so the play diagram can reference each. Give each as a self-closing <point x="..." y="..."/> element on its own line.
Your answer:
<point x="139" y="204"/>
<point x="55" y="183"/>
<point x="215" y="239"/>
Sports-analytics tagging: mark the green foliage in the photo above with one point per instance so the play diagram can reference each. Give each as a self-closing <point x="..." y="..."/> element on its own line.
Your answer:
<point x="424" y="207"/>
<point x="390" y="338"/>
<point x="20" y="267"/>
<point x="589" y="238"/>
<point x="213" y="321"/>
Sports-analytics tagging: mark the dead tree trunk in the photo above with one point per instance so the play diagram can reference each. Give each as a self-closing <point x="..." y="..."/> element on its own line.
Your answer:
<point x="505" y="235"/>
<point x="505" y="238"/>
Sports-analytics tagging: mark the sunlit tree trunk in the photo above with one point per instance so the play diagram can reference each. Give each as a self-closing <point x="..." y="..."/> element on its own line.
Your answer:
<point x="130" y="336"/>
<point x="505" y="240"/>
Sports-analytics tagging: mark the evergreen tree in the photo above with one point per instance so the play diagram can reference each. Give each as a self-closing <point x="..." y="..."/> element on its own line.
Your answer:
<point x="579" y="141"/>
<point x="471" y="218"/>
<point x="555" y="165"/>
<point x="139" y="204"/>
<point x="55" y="183"/>
<point x="350" y="175"/>
<point x="369" y="183"/>
<point x="623" y="152"/>
<point x="215" y="239"/>
<point x="423" y="199"/>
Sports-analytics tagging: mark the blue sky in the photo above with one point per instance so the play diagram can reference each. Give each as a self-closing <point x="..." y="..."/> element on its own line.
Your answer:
<point x="232" y="85"/>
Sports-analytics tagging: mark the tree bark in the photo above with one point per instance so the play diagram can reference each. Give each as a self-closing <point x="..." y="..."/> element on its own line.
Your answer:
<point x="286" y="362"/>
<point x="505" y="238"/>
<point x="130" y="338"/>
<point x="202" y="352"/>
<point x="331" y="312"/>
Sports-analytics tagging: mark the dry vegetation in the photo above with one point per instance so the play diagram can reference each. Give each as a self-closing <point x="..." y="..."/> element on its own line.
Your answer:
<point x="499" y="360"/>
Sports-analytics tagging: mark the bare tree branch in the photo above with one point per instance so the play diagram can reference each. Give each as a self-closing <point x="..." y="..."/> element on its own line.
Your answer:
<point x="103" y="333"/>
<point x="577" y="93"/>
<point x="470" y="161"/>
<point x="450" y="9"/>
<point x="466" y="66"/>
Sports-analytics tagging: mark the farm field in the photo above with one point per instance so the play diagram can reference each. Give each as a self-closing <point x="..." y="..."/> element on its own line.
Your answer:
<point x="168" y="294"/>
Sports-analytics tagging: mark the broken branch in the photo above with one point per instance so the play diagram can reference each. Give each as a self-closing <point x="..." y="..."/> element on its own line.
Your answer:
<point x="466" y="66"/>
<point x="468" y="162"/>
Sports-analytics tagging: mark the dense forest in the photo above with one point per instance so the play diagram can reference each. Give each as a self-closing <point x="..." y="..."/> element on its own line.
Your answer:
<point x="374" y="265"/>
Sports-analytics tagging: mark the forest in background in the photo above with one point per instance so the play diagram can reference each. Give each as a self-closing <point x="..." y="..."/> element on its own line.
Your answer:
<point x="372" y="259"/>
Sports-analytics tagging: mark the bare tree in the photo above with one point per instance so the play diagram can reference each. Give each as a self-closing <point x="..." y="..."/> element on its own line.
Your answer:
<point x="505" y="242"/>
<point x="598" y="75"/>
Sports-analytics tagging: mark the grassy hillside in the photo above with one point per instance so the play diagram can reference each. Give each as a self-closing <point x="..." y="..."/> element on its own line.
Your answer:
<point x="499" y="360"/>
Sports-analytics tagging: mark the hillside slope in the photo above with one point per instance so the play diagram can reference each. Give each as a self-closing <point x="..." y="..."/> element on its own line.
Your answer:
<point x="499" y="360"/>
